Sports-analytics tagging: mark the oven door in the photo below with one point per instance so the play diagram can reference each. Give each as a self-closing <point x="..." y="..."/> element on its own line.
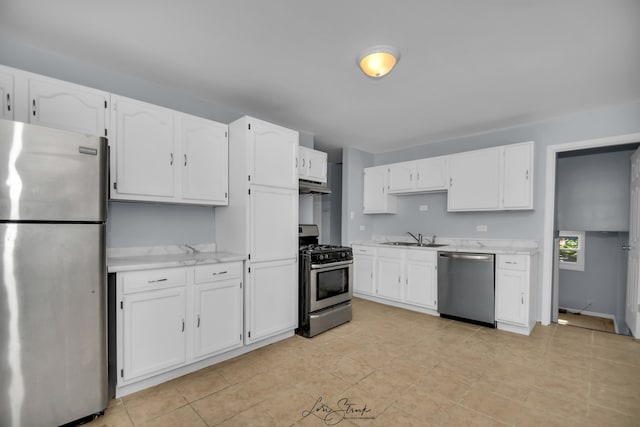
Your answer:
<point x="330" y="284"/>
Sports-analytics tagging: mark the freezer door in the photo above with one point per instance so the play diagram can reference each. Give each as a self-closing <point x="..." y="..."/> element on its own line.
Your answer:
<point x="53" y="357"/>
<point x="51" y="175"/>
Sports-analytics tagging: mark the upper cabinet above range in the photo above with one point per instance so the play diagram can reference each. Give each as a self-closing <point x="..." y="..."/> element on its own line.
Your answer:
<point x="311" y="164"/>
<point x="44" y="101"/>
<point x="163" y="155"/>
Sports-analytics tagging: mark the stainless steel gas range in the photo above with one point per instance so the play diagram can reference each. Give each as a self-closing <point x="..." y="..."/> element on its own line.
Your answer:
<point x="326" y="277"/>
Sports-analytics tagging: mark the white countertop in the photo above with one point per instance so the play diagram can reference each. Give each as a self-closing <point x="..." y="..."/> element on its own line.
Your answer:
<point x="493" y="246"/>
<point x="148" y="258"/>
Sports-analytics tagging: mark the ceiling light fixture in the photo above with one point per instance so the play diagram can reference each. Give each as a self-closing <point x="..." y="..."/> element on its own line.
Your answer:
<point x="378" y="61"/>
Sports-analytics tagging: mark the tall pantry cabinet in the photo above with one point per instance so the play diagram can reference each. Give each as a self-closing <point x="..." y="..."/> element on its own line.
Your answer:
<point x="261" y="221"/>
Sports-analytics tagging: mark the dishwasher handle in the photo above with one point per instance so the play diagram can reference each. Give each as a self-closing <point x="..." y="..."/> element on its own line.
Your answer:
<point x="476" y="257"/>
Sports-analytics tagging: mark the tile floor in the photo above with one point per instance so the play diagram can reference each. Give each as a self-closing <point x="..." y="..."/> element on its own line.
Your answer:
<point x="392" y="367"/>
<point x="586" y="321"/>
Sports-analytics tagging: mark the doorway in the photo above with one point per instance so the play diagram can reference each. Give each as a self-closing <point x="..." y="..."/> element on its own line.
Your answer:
<point x="549" y="293"/>
<point x="592" y="222"/>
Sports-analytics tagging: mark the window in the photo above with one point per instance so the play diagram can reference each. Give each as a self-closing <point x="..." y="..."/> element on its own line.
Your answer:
<point x="571" y="247"/>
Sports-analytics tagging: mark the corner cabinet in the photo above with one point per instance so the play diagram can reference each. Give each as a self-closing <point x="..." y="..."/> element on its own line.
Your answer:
<point x="376" y="197"/>
<point x="165" y="156"/>
<point x="499" y="178"/>
<point x="516" y="292"/>
<point x="261" y="221"/>
<point x="172" y="317"/>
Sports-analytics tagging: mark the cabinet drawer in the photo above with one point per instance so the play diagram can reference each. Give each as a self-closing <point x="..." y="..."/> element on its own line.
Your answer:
<point x="391" y="252"/>
<point x="147" y="280"/>
<point x="513" y="262"/>
<point x="215" y="272"/>
<point x="423" y="255"/>
<point x="364" y="250"/>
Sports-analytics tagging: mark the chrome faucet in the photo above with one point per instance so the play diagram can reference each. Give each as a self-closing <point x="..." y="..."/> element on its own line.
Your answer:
<point x="433" y="240"/>
<point x="191" y="249"/>
<point x="418" y="239"/>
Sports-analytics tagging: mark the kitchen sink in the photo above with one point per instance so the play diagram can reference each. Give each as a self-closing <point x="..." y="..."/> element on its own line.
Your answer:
<point x="415" y="244"/>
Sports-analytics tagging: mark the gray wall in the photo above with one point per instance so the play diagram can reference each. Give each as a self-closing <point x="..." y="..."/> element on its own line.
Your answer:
<point x="331" y="220"/>
<point x="603" y="281"/>
<point x="593" y="192"/>
<point x="355" y="225"/>
<point x="133" y="224"/>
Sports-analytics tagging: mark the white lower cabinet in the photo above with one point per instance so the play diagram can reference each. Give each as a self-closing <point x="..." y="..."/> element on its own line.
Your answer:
<point x="515" y="293"/>
<point x="271" y="300"/>
<point x="364" y="266"/>
<point x="168" y="318"/>
<point x="403" y="277"/>
<point x="154" y="333"/>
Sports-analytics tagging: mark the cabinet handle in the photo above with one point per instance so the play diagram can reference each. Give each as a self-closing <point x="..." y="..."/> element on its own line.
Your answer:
<point x="185" y="160"/>
<point x="450" y="182"/>
<point x="182" y="325"/>
<point x="418" y="176"/>
<point x="219" y="272"/>
<point x="410" y="177"/>
<point x="296" y="162"/>
<point x="157" y="280"/>
<point x="303" y="162"/>
<point x="522" y="298"/>
<point x="198" y="325"/>
<point x="171" y="164"/>
<point x="34" y="106"/>
<point x="510" y="262"/>
<point x="399" y="280"/>
<point x="526" y="175"/>
<point x="8" y="102"/>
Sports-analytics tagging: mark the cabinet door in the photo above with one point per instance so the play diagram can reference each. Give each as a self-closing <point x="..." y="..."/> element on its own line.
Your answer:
<point x="518" y="176"/>
<point x="145" y="151"/>
<point x="217" y="316"/>
<point x="301" y="162"/>
<point x="375" y="196"/>
<point x="154" y="332"/>
<point x="402" y="177"/>
<point x="273" y="221"/>
<point x="6" y="95"/>
<point x="389" y="278"/>
<point x="67" y="106"/>
<point x="421" y="284"/>
<point x="271" y="299"/>
<point x="273" y="152"/>
<point x="432" y="174"/>
<point x="474" y="180"/>
<point x="204" y="158"/>
<point x="317" y="166"/>
<point x="363" y="280"/>
<point x="512" y="297"/>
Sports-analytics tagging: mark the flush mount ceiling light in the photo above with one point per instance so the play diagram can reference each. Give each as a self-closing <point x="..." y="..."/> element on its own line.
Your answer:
<point x="378" y="61"/>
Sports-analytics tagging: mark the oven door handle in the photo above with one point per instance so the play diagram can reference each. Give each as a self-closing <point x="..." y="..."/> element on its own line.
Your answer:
<point x="331" y="265"/>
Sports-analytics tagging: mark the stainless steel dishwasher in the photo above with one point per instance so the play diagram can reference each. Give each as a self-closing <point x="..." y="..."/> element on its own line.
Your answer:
<point x="466" y="287"/>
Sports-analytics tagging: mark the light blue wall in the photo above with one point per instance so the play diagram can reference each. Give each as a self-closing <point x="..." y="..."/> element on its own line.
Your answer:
<point x="353" y="163"/>
<point x="133" y="224"/>
<point x="593" y="192"/>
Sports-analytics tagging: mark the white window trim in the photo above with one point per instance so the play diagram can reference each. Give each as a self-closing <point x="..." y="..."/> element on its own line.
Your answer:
<point x="579" y="264"/>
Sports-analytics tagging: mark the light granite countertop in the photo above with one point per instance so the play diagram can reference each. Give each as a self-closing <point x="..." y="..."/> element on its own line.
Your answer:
<point x="148" y="258"/>
<point x="493" y="246"/>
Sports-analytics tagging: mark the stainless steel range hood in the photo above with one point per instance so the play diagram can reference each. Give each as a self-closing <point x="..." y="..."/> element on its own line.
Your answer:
<point x="311" y="187"/>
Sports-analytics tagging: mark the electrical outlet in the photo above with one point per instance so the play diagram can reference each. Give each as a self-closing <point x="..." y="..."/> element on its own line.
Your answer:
<point x="424" y="208"/>
<point x="481" y="228"/>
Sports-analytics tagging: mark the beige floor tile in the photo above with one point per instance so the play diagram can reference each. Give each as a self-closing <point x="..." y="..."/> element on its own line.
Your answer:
<point x="223" y="405"/>
<point x="604" y="417"/>
<point x="553" y="383"/>
<point x="616" y="342"/>
<point x="350" y="370"/>
<point x="200" y="384"/>
<point x="115" y="416"/>
<point x="255" y="416"/>
<point x="624" y="401"/>
<point x="513" y="390"/>
<point x="563" y="406"/>
<point x="160" y="402"/>
<point x="422" y="403"/>
<point x="625" y="357"/>
<point x="183" y="417"/>
<point x="455" y="415"/>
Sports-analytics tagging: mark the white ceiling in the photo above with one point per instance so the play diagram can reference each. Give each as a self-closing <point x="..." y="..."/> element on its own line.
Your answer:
<point x="467" y="66"/>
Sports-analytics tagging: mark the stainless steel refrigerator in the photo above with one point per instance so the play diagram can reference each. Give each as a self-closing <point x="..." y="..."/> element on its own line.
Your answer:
<point x="53" y="343"/>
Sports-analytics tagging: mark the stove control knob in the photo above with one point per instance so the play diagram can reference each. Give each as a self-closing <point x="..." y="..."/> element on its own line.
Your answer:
<point x="342" y="255"/>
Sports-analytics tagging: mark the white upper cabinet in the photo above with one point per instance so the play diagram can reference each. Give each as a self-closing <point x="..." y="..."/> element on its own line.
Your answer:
<point x="312" y="164"/>
<point x="67" y="106"/>
<point x="474" y="182"/>
<point x="518" y="176"/>
<point x="432" y="174"/>
<point x="7" y="105"/>
<point x="418" y="176"/>
<point x="401" y="177"/>
<point x="204" y="158"/>
<point x="162" y="155"/>
<point x="376" y="197"/>
<point x="145" y="151"/>
<point x="272" y="155"/>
